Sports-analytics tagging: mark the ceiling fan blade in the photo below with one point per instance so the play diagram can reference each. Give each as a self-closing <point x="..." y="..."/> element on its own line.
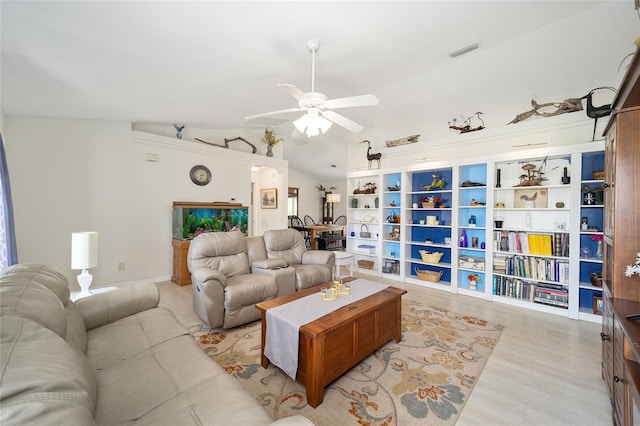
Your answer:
<point x="342" y="121"/>
<point x="295" y="92"/>
<point x="352" y="101"/>
<point x="283" y="112"/>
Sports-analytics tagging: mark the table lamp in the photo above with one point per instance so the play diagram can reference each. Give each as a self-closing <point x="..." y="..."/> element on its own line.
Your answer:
<point x="84" y="255"/>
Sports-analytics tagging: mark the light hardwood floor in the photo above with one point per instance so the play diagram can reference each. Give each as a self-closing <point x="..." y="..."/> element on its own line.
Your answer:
<point x="545" y="369"/>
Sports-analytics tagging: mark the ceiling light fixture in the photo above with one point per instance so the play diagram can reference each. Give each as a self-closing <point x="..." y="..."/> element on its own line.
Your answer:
<point x="312" y="124"/>
<point x="255" y="168"/>
<point x="464" y="50"/>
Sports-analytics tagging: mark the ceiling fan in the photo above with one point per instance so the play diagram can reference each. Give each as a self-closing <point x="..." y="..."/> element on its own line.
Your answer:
<point x="319" y="114"/>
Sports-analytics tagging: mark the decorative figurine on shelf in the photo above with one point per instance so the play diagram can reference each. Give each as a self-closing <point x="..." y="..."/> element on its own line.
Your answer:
<point x="584" y="224"/>
<point x="534" y="175"/>
<point x="436" y="183"/>
<point x="369" y="188"/>
<point x="472" y="221"/>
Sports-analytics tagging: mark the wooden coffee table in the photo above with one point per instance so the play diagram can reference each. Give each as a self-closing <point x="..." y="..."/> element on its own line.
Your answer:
<point x="334" y="343"/>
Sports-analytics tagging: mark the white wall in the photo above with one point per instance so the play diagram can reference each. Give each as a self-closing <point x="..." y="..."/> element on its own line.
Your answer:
<point x="310" y="199"/>
<point x="84" y="175"/>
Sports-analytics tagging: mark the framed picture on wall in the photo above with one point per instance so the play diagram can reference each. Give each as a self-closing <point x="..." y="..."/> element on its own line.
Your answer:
<point x="269" y="198"/>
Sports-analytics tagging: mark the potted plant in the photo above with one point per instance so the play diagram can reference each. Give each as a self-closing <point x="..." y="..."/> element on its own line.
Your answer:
<point x="596" y="278"/>
<point x="270" y="140"/>
<point x="474" y="280"/>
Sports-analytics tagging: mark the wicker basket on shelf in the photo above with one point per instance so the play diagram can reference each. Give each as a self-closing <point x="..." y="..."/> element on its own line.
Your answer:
<point x="426" y="275"/>
<point x="431" y="256"/>
<point x="598" y="175"/>
<point x="365" y="264"/>
<point x="428" y="204"/>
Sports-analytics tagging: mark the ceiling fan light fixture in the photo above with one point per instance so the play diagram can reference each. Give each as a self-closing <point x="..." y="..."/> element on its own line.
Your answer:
<point x="312" y="124"/>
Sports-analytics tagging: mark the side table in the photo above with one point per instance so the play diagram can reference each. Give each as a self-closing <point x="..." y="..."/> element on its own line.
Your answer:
<point x="343" y="259"/>
<point x="77" y="295"/>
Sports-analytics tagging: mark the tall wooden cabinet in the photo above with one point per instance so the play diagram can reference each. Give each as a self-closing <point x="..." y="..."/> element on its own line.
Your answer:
<point x="621" y="295"/>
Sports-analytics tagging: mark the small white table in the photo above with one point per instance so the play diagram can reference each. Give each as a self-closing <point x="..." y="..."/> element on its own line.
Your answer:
<point x="78" y="295"/>
<point x="343" y="259"/>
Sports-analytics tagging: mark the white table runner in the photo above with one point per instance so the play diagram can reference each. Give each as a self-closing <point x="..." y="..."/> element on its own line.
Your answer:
<point x="284" y="322"/>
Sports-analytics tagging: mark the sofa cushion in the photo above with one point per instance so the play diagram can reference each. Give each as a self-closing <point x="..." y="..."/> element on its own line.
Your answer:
<point x="287" y="244"/>
<point x="33" y="301"/>
<point x="105" y="308"/>
<point x="241" y="295"/>
<point x="127" y="337"/>
<point x="43" y="380"/>
<point x="41" y="274"/>
<point x="225" y="252"/>
<point x="310" y="275"/>
<point x="233" y="406"/>
<point x="76" y="334"/>
<point x="173" y="381"/>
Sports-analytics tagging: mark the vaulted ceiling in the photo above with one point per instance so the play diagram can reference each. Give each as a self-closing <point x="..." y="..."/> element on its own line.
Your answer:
<point x="210" y="64"/>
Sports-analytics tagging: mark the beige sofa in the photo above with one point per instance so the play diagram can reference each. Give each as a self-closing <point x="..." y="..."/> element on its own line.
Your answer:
<point x="113" y="358"/>
<point x="230" y="273"/>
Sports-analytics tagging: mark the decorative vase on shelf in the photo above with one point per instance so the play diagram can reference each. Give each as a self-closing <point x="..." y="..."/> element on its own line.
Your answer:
<point x="472" y="285"/>
<point x="599" y="250"/>
<point x="269" y="151"/>
<point x="463" y="239"/>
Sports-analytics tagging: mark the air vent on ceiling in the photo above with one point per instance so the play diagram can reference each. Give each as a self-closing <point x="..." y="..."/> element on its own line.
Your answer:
<point x="464" y="50"/>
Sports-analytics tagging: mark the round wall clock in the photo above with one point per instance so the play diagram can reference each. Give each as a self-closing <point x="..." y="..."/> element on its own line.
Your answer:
<point x="200" y="175"/>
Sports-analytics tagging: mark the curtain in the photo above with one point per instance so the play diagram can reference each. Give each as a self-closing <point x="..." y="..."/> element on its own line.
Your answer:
<point x="8" y="250"/>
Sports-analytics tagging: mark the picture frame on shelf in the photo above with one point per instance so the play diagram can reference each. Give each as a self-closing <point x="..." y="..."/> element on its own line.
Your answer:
<point x="269" y="198"/>
<point x="530" y="198"/>
<point x="597" y="305"/>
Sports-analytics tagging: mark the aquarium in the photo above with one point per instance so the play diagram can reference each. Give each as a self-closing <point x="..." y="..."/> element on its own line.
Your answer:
<point x="190" y="219"/>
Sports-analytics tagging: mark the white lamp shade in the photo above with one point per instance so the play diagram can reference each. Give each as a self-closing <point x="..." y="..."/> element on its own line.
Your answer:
<point x="84" y="250"/>
<point x="333" y="198"/>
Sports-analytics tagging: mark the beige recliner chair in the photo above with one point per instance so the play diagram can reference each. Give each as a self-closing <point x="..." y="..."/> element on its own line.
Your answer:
<point x="224" y="289"/>
<point x="311" y="267"/>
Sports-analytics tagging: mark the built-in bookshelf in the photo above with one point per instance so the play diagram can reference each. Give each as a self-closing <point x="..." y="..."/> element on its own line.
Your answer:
<point x="437" y="225"/>
<point x="391" y="218"/>
<point x="428" y="248"/>
<point x="591" y="232"/>
<point x="363" y="222"/>
<point x="531" y="232"/>
<point x="472" y="229"/>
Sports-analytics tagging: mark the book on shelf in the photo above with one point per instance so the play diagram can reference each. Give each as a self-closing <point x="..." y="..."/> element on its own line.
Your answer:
<point x="540" y="244"/>
<point x="535" y="268"/>
<point x="556" y="244"/>
<point x="543" y="293"/>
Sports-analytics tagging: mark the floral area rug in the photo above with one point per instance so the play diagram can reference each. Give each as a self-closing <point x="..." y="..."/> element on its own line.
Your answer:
<point x="425" y="379"/>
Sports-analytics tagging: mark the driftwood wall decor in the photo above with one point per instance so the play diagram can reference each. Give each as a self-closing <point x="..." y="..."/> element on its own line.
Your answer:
<point x="568" y="105"/>
<point x="403" y="141"/>
<point x="466" y="124"/>
<point x="226" y="143"/>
